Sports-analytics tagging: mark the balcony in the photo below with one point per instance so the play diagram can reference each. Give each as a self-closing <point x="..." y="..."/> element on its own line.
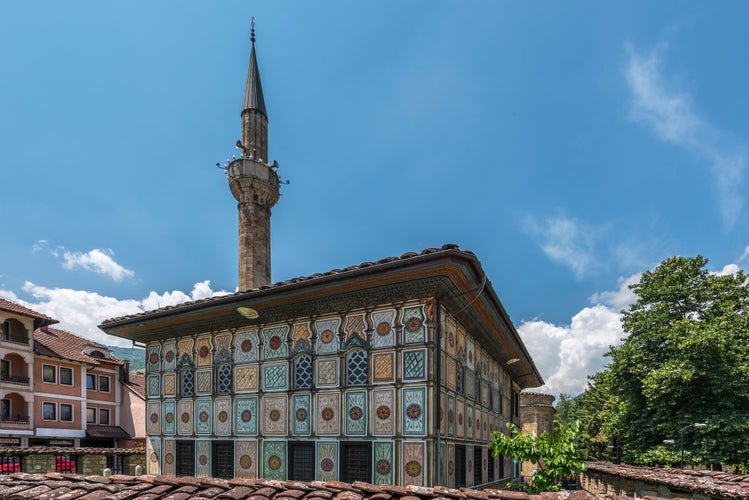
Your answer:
<point x="14" y="379"/>
<point x="18" y="419"/>
<point x="13" y="331"/>
<point x="14" y="412"/>
<point x="14" y="370"/>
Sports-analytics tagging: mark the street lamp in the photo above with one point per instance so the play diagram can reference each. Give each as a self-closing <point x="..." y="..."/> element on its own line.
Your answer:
<point x="696" y="425"/>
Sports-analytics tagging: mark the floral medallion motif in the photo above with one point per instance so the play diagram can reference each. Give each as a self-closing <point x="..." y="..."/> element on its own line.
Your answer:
<point x="169" y="458"/>
<point x="383" y="329"/>
<point x="223" y="416"/>
<point x="460" y="419"/>
<point x="274" y="415"/>
<point x="169" y="356"/>
<point x="478" y="425"/>
<point x="328" y="413"/>
<point x="355" y="413"/>
<point x="275" y="342"/>
<point x="185" y="417"/>
<point x="413" y="411"/>
<point x="246" y="416"/>
<point x="245" y="461"/>
<point x="413" y="468"/>
<point x="274" y="462"/>
<point x="154" y="457"/>
<point x="154" y="358"/>
<point x="169" y="418"/>
<point x="326" y="337"/>
<point x="450" y="416"/>
<point x="203" y="459"/>
<point x="301" y="414"/>
<point x="450" y="467"/>
<point x="413" y="325"/>
<point x="383" y="467"/>
<point x="326" y="464"/>
<point x="204" y="351"/>
<point x="451" y="339"/>
<point x="246" y="345"/>
<point x="383" y="412"/>
<point x="203" y="417"/>
<point x="469" y="422"/>
<point x="154" y="418"/>
<point x="470" y="465"/>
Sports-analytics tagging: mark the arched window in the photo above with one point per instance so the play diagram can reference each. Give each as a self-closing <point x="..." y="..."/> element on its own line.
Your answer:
<point x="223" y="378"/>
<point x="357" y="368"/>
<point x="186" y="382"/>
<point x="303" y="372"/>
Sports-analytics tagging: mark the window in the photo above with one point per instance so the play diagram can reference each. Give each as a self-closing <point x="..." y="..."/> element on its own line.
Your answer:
<point x="302" y="461"/>
<point x="49" y="411"/>
<point x="477" y="465"/>
<point x="223" y="459"/>
<point x="478" y="389"/>
<point x="355" y="462"/>
<point x="185" y="458"/>
<point x="90" y="382"/>
<point x="460" y="466"/>
<point x="114" y="463"/>
<point x="49" y="374"/>
<point x="103" y="416"/>
<point x="91" y="415"/>
<point x="5" y="410"/>
<point x="223" y="378"/>
<point x="357" y="370"/>
<point x="4" y="369"/>
<point x="490" y="467"/>
<point x="66" y="376"/>
<point x="515" y="404"/>
<point x="186" y="383"/>
<point x="66" y="412"/>
<point x="103" y="383"/>
<point x="303" y="372"/>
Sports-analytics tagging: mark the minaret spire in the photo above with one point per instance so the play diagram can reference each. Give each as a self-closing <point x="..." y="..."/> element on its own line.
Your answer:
<point x="254" y="182"/>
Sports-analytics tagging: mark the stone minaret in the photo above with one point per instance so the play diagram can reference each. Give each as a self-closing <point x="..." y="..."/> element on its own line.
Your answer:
<point x="254" y="183"/>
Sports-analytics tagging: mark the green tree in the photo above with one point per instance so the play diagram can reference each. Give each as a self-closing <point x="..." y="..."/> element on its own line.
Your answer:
<point x="555" y="454"/>
<point x="685" y="360"/>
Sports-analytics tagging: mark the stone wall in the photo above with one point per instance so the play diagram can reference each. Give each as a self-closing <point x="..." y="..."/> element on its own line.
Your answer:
<point x="92" y="465"/>
<point x="38" y="464"/>
<point x="130" y="462"/>
<point x="536" y="417"/>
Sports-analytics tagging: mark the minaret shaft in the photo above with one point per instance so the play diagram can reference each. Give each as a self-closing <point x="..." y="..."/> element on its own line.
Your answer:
<point x="255" y="133"/>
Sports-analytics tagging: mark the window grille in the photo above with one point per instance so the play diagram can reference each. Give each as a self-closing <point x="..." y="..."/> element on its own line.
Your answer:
<point x="223" y="459"/>
<point x="10" y="464"/>
<point x="223" y="379"/>
<point x="357" y="369"/>
<point x="185" y="458"/>
<point x="303" y="372"/>
<point x="302" y="461"/>
<point x="460" y="379"/>
<point x="460" y="466"/>
<point x="355" y="464"/>
<point x="187" y="383"/>
<point x="114" y="463"/>
<point x="66" y="464"/>
<point x="477" y="465"/>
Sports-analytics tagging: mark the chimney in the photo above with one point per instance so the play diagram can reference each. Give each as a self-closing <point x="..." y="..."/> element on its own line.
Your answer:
<point x="126" y="371"/>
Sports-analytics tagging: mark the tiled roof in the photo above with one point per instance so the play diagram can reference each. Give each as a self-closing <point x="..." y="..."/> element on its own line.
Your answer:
<point x="106" y="431"/>
<point x="65" y="345"/>
<point x="54" y="485"/>
<point x="66" y="450"/>
<point x="386" y="260"/>
<point x="138" y="384"/>
<point x="7" y="305"/>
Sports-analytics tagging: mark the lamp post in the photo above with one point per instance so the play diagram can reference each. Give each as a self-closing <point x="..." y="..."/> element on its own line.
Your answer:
<point x="696" y="425"/>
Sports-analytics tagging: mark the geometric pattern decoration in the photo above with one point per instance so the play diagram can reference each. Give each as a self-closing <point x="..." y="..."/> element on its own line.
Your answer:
<point x="154" y="357"/>
<point x="246" y="346"/>
<point x="356" y="413"/>
<point x="470" y="384"/>
<point x="414" y="330"/>
<point x="413" y="405"/>
<point x="414" y="365"/>
<point x="328" y="409"/>
<point x="203" y="385"/>
<point x="153" y="455"/>
<point x="451" y="373"/>
<point x="383" y="367"/>
<point x="169" y="383"/>
<point x="245" y="416"/>
<point x="186" y="382"/>
<point x="275" y="415"/>
<point x="469" y="421"/>
<point x="327" y="372"/>
<point x="153" y="418"/>
<point x="443" y="414"/>
<point x="327" y="460"/>
<point x="301" y="414"/>
<point x="452" y="337"/>
<point x="357" y="368"/>
<point x="222" y="416"/>
<point x="327" y="335"/>
<point x="413" y="463"/>
<point x="184" y="417"/>
<point x="170" y="356"/>
<point x="384" y="462"/>
<point x="246" y="378"/>
<point x="469" y="465"/>
<point x="470" y="356"/>
<point x="450" y="416"/>
<point x="223" y="347"/>
<point x="202" y="458"/>
<point x="167" y="466"/>
<point x="303" y="372"/>
<point x="450" y="466"/>
<point x="383" y="412"/>
<point x="274" y="342"/>
<point x="153" y="386"/>
<point x="354" y="330"/>
<point x="459" y="418"/>
<point x="245" y="459"/>
<point x="223" y="378"/>
<point x="300" y="339"/>
<point x="204" y="351"/>
<point x="184" y="349"/>
<point x="384" y="329"/>
<point x="274" y="460"/>
<point x="461" y="352"/>
<point x="203" y="416"/>
<point x="169" y="417"/>
<point x="276" y="376"/>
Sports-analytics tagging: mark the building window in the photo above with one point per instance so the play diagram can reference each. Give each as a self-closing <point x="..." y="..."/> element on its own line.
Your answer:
<point x="4" y="369"/>
<point x="185" y="458"/>
<point x="223" y="378"/>
<point x="478" y="389"/>
<point x="90" y="382"/>
<point x="490" y="467"/>
<point x="49" y="411"/>
<point x="460" y="466"/>
<point x="186" y="382"/>
<point x="460" y="379"/>
<point x="66" y="376"/>
<point x="515" y="404"/>
<point x="357" y="368"/>
<point x="103" y="383"/>
<point x="66" y="412"/>
<point x="223" y="459"/>
<point x="114" y="463"/>
<point x="301" y="461"/>
<point x="356" y="462"/>
<point x="303" y="372"/>
<point x="49" y="374"/>
<point x="5" y="409"/>
<point x="91" y="415"/>
<point x="477" y="465"/>
<point x="103" y="416"/>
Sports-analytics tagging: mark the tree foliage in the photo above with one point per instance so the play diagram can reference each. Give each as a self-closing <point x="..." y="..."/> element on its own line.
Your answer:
<point x="555" y="454"/>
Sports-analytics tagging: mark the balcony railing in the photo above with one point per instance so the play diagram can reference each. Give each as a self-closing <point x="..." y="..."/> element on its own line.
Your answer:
<point x="14" y="379"/>
<point x="18" y="339"/>
<point x="18" y="419"/>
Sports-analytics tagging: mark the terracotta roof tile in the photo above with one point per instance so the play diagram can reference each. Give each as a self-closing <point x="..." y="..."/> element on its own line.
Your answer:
<point x="138" y="384"/>
<point x="7" y="305"/>
<point x="65" y="345"/>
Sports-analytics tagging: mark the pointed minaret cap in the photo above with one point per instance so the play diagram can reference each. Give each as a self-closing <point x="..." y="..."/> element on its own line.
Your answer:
<point x="253" y="90"/>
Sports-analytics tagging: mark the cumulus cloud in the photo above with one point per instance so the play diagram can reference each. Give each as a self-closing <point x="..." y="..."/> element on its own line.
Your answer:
<point x="669" y="114"/>
<point x="99" y="261"/>
<point x="80" y="311"/>
<point x="565" y="241"/>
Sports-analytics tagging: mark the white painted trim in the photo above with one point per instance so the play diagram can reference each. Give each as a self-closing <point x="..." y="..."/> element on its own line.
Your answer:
<point x="58" y="396"/>
<point x="69" y="433"/>
<point x="11" y="432"/>
<point x="98" y="401"/>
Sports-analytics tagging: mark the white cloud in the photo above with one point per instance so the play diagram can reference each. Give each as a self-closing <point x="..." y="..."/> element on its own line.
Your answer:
<point x="565" y="241"/>
<point x="620" y="298"/>
<point x="744" y="255"/>
<point x="670" y="115"/>
<point x="99" y="261"/>
<point x="80" y="311"/>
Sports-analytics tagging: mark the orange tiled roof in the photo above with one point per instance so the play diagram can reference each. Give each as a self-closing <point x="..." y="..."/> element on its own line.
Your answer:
<point x="7" y="305"/>
<point x="138" y="384"/>
<point x="65" y="345"/>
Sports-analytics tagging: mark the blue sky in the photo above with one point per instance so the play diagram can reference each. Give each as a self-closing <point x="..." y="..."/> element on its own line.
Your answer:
<point x="569" y="145"/>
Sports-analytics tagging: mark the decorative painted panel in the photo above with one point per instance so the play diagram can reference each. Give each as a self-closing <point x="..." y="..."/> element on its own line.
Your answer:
<point x="275" y="415"/>
<point x="414" y="330"/>
<point x="354" y="333"/>
<point x="274" y="342"/>
<point x="222" y="344"/>
<point x="328" y="413"/>
<point x="413" y="403"/>
<point x="184" y="349"/>
<point x="222" y="416"/>
<point x="356" y="413"/>
<point x="327" y="372"/>
<point x="460" y="408"/>
<point x="245" y="459"/>
<point x="153" y="386"/>
<point x="153" y="412"/>
<point x="185" y="412"/>
<point x="203" y="381"/>
<point x="168" y="462"/>
<point x="470" y="356"/>
<point x="204" y="351"/>
<point x="451" y="373"/>
<point x="443" y="414"/>
<point x="384" y="462"/>
<point x="274" y="460"/>
<point x="202" y="458"/>
<point x="276" y="376"/>
<point x="461" y="349"/>
<point x="327" y="461"/>
<point x="384" y="328"/>
<point x="470" y="384"/>
<point x="246" y="346"/>
<point x="153" y="452"/>
<point x="170" y="356"/>
<point x="383" y="412"/>
<point x="301" y="339"/>
<point x="301" y="415"/>
<point x="452" y="337"/>
<point x="443" y="370"/>
<point x="327" y="335"/>
<point x="170" y="417"/>
<point x="469" y="421"/>
<point x="484" y="464"/>
<point x="383" y="367"/>
<point x="450" y="416"/>
<point x="413" y="463"/>
<point x="469" y="465"/>
<point x="485" y="393"/>
<point x="451" y="466"/>
<point x="245" y="378"/>
<point x="203" y="416"/>
<point x="245" y="416"/>
<point x="154" y="357"/>
<point x="169" y="382"/>
<point x="414" y="365"/>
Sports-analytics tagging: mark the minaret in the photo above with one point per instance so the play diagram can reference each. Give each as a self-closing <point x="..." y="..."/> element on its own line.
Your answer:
<point x="254" y="183"/>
